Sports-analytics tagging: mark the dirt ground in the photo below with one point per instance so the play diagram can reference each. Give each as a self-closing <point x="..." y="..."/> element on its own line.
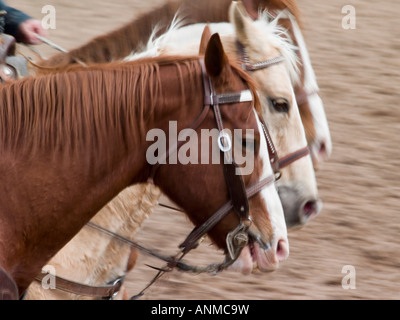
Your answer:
<point x="359" y="75"/>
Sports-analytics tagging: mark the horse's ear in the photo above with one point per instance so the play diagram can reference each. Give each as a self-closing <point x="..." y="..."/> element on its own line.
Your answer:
<point x="239" y="17"/>
<point x="215" y="58"/>
<point x="205" y="39"/>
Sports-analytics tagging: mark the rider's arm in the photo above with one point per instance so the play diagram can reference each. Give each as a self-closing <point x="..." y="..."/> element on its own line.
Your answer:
<point x="13" y="18"/>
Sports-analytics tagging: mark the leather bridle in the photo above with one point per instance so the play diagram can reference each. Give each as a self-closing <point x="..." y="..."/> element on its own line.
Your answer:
<point x="238" y="238"/>
<point x="239" y="202"/>
<point x="239" y="194"/>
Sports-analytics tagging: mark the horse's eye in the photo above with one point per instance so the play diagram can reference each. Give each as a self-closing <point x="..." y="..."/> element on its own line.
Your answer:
<point x="280" y="104"/>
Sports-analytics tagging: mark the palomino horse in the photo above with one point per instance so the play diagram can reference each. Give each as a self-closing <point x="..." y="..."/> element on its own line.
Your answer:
<point x="121" y="42"/>
<point x="70" y="142"/>
<point x="264" y="51"/>
<point x="106" y="263"/>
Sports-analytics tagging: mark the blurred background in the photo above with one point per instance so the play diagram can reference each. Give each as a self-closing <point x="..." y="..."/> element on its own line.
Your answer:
<point x="358" y="72"/>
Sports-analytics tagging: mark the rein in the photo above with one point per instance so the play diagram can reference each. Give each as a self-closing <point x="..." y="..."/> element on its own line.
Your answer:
<point x="106" y="292"/>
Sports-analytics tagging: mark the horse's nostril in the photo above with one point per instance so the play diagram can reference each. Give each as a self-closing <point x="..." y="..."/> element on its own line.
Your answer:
<point x="282" y="250"/>
<point x="310" y="209"/>
<point x="320" y="153"/>
<point x="322" y="149"/>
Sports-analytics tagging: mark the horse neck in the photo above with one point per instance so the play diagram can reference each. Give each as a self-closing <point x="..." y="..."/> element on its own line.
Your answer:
<point x="85" y="189"/>
<point x="116" y="44"/>
<point x="128" y="210"/>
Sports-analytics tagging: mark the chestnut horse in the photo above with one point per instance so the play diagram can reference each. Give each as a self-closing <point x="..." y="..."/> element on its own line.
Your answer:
<point x="133" y="35"/>
<point x="103" y="263"/>
<point x="70" y="142"/>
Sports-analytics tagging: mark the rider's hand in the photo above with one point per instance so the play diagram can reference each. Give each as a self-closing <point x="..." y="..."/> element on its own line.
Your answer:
<point x="27" y="28"/>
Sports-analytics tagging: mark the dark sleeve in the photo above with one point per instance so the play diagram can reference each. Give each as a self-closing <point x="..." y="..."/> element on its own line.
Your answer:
<point x="14" y="18"/>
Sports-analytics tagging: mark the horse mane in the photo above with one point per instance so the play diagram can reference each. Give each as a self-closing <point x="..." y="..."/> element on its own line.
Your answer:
<point x="275" y="35"/>
<point x="58" y="110"/>
<point x="217" y="11"/>
<point x="291" y="5"/>
<point x="278" y="37"/>
<point x="156" y="40"/>
<point x="117" y="43"/>
<point x="134" y="34"/>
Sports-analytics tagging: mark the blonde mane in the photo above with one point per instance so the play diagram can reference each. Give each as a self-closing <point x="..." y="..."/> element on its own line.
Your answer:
<point x="279" y="38"/>
<point x="157" y="39"/>
<point x="274" y="34"/>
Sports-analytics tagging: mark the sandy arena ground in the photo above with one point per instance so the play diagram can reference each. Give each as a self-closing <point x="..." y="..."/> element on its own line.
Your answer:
<point x="359" y="75"/>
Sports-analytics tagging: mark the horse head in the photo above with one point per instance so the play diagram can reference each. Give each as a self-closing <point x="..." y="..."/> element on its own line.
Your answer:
<point x="308" y="98"/>
<point x="271" y="60"/>
<point x="221" y="183"/>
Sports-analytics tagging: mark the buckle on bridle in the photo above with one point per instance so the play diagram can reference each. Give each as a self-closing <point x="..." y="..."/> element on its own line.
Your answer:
<point x="224" y="142"/>
<point x="117" y="284"/>
<point x="238" y="238"/>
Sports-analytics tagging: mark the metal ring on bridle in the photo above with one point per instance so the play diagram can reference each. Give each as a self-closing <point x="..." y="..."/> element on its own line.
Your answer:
<point x="224" y="142"/>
